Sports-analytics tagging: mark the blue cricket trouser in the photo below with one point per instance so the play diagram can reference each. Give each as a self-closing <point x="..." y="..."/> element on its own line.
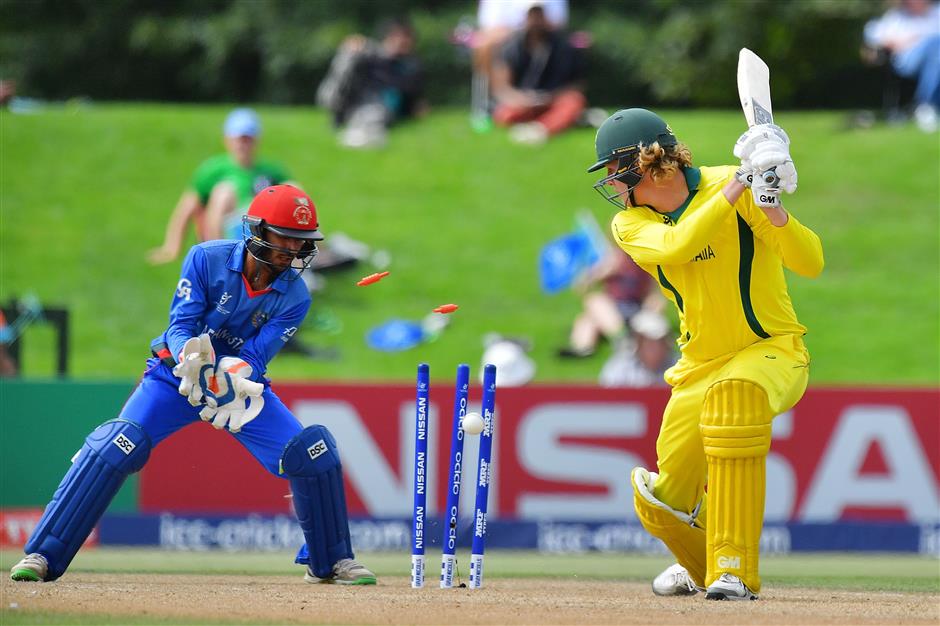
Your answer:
<point x="157" y="406"/>
<point x="118" y="448"/>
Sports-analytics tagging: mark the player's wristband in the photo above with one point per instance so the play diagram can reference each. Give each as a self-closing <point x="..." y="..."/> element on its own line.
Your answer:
<point x="162" y="352"/>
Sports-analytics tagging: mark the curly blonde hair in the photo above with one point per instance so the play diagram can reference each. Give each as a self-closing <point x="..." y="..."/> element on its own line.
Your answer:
<point x="663" y="163"/>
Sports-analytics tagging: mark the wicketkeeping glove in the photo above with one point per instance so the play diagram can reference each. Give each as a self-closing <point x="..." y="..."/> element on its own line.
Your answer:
<point x="196" y="359"/>
<point x="233" y="399"/>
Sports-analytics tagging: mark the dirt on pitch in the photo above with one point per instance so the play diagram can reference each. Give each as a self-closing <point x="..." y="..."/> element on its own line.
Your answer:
<point x="258" y="600"/>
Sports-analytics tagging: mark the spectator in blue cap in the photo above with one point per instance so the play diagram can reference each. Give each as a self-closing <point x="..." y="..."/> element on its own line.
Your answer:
<point x="242" y="123"/>
<point x="219" y="194"/>
<point x="222" y="188"/>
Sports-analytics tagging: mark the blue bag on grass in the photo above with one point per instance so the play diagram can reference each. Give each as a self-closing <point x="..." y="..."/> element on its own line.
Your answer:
<point x="395" y="335"/>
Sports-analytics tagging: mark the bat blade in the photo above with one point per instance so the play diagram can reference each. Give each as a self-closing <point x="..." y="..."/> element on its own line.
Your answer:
<point x="754" y="88"/>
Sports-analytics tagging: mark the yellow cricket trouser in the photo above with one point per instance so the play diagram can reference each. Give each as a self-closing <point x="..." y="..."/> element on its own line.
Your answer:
<point x="716" y="429"/>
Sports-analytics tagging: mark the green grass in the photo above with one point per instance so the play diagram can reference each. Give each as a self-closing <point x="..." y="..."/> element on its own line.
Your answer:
<point x="84" y="193"/>
<point x="862" y="572"/>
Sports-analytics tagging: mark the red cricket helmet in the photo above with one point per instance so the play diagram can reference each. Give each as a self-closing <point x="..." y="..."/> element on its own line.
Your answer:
<point x="287" y="211"/>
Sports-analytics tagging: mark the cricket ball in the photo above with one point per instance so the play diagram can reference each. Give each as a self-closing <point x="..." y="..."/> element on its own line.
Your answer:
<point x="472" y="423"/>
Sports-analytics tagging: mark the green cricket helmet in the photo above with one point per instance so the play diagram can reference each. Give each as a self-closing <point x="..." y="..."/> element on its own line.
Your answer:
<point x="619" y="139"/>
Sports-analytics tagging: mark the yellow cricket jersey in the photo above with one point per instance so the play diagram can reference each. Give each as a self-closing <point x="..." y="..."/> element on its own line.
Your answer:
<point x="721" y="265"/>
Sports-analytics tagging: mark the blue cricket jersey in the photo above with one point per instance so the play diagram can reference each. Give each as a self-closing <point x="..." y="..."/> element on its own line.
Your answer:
<point x="213" y="297"/>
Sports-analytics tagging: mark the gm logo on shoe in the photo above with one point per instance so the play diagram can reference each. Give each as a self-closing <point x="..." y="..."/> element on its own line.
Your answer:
<point x="729" y="562"/>
<point x="317" y="449"/>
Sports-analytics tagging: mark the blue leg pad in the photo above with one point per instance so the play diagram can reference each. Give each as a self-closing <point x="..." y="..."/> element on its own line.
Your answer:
<point x="111" y="452"/>
<point x="303" y="555"/>
<point x="311" y="462"/>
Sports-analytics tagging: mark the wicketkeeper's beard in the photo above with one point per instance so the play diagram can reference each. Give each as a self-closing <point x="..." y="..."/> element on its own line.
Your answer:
<point x="278" y="260"/>
<point x="281" y="261"/>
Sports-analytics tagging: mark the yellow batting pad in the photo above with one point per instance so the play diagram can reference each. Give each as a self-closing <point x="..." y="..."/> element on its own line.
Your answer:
<point x="677" y="530"/>
<point x="735" y="425"/>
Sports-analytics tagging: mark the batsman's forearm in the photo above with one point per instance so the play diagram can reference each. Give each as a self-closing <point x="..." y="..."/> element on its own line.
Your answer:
<point x="733" y="190"/>
<point x="778" y="216"/>
<point x="800" y="248"/>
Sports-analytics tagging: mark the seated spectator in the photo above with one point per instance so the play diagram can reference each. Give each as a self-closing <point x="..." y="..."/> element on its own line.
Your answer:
<point x="372" y="84"/>
<point x="222" y="188"/>
<point x="644" y="361"/>
<point x="219" y="195"/>
<point x="910" y="33"/>
<point x="497" y="20"/>
<point x="626" y="290"/>
<point x="536" y="82"/>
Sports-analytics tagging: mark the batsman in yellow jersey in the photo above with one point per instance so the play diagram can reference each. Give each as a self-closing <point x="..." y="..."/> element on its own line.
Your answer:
<point x="718" y="251"/>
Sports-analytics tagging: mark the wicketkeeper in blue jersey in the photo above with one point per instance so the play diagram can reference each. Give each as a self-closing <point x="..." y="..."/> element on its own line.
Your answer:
<point x="236" y="304"/>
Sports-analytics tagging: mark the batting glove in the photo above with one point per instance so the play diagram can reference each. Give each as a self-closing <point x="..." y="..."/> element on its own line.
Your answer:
<point x="757" y="135"/>
<point x="779" y="162"/>
<point x="195" y="360"/>
<point x="745" y="177"/>
<point x="766" y="190"/>
<point x="766" y="147"/>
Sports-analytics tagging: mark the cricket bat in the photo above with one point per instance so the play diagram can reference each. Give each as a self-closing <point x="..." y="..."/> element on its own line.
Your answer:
<point x="754" y="88"/>
<point x="754" y="91"/>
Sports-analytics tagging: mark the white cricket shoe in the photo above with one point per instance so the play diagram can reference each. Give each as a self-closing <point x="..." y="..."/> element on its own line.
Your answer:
<point x="345" y="572"/>
<point x="31" y="568"/>
<point x="675" y="581"/>
<point x="729" y="587"/>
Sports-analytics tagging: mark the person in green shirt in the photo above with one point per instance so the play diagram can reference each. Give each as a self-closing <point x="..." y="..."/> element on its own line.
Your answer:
<point x="221" y="188"/>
